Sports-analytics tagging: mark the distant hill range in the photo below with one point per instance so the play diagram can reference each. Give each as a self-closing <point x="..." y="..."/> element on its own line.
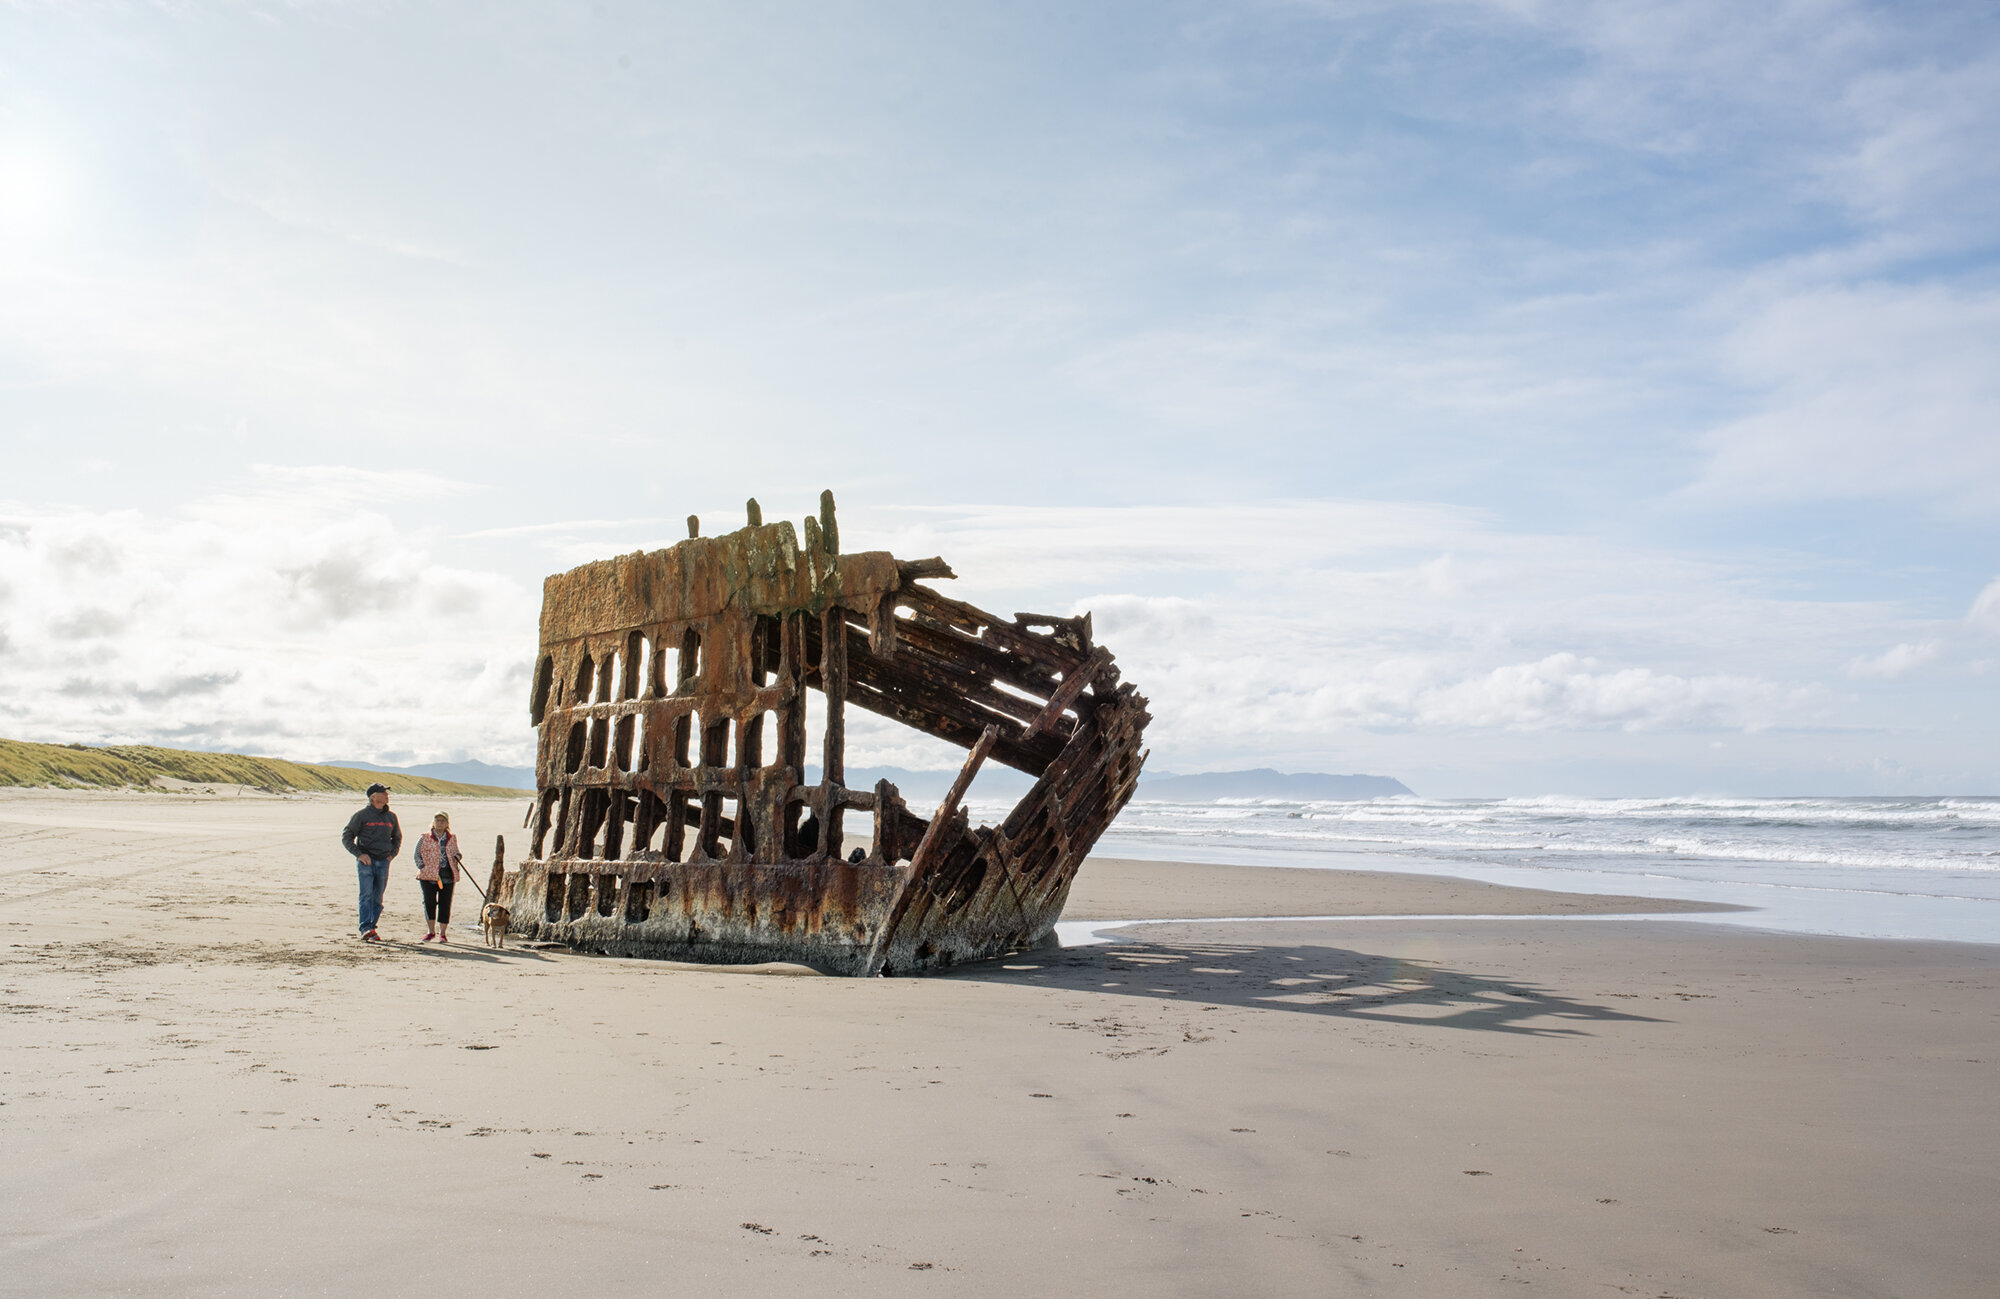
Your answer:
<point x="1306" y="786"/>
<point x="121" y="766"/>
<point x="470" y="773"/>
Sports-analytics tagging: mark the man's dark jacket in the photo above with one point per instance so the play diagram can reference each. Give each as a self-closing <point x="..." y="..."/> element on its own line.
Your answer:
<point x="378" y="834"/>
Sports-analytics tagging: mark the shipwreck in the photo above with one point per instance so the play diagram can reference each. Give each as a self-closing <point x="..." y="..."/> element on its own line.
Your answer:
<point x="675" y="695"/>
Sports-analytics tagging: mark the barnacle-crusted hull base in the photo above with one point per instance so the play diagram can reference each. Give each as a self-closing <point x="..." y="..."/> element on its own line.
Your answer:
<point x="747" y="914"/>
<point x="680" y="695"/>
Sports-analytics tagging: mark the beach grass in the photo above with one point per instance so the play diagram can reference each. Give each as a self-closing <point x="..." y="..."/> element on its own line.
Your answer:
<point x="77" y="766"/>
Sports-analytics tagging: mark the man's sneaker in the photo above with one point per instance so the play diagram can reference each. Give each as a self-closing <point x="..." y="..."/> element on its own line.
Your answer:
<point x="371" y="937"/>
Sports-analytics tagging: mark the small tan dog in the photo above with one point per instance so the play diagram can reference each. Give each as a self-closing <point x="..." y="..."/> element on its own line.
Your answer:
<point x="494" y="917"/>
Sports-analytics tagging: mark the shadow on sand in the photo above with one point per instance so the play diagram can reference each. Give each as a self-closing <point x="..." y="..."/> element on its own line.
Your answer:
<point x="1309" y="980"/>
<point x="479" y="954"/>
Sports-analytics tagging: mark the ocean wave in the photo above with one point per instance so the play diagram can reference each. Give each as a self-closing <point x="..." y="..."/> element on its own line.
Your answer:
<point x="1885" y="855"/>
<point x="1931" y="835"/>
<point x="1768" y="811"/>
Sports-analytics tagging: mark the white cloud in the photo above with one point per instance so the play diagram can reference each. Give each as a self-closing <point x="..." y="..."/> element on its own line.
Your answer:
<point x="1875" y="390"/>
<point x="278" y="619"/>
<point x="281" y="618"/>
<point x="1922" y="158"/>
<point x="1294" y="630"/>
<point x="1567" y="692"/>
<point x="285" y="616"/>
<point x="1985" y="611"/>
<point x="1121" y="617"/>
<point x="1897" y="661"/>
<point x="1886" y="110"/>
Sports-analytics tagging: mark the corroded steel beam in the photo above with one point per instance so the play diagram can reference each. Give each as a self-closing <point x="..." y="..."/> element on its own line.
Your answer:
<point x="672" y="696"/>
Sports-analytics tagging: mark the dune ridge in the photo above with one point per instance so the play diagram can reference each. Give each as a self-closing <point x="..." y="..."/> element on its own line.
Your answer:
<point x="69" y="766"/>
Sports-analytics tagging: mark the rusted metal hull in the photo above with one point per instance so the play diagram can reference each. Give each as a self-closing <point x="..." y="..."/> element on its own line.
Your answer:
<point x="671" y="818"/>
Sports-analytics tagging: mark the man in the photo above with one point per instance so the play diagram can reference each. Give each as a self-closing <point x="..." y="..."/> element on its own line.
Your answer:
<point x="374" y="836"/>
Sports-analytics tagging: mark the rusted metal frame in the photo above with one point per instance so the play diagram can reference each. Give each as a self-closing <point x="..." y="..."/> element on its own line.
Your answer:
<point x="946" y="639"/>
<point x="663" y="715"/>
<point x="579" y="813"/>
<point x="1071" y="797"/>
<point x="988" y="664"/>
<point x="947" y="827"/>
<point x="915" y="682"/>
<point x="834" y="688"/>
<point x="951" y="887"/>
<point x="894" y="699"/>
<point x="752" y="838"/>
<point x="565" y="800"/>
<point x="947" y="809"/>
<point x="942" y="608"/>
<point x="614" y="709"/>
<point x="922" y="695"/>
<point x="912" y="690"/>
<point x="791" y="669"/>
<point x="972" y="664"/>
<point x="1059" y="827"/>
<point x="1094" y="809"/>
<point x="1000" y="850"/>
<point x="1073" y="781"/>
<point x="884" y="848"/>
<point x="990" y="629"/>
<point x="909" y="831"/>
<point x="714" y="741"/>
<point x="1099" y="780"/>
<point x="965" y="889"/>
<point x="1043" y="663"/>
<point x="568" y="861"/>
<point x="950" y="656"/>
<point x="544" y="687"/>
<point x="979" y="669"/>
<point x="620" y="805"/>
<point x="673" y="841"/>
<point x="598" y="739"/>
<point x="945" y="688"/>
<point x="1076" y="629"/>
<point x="861" y="800"/>
<point x="554" y="736"/>
<point x="1067" y="697"/>
<point x="604" y="739"/>
<point x="957" y="679"/>
<point x="631" y="663"/>
<point x="883" y="625"/>
<point x="646" y="818"/>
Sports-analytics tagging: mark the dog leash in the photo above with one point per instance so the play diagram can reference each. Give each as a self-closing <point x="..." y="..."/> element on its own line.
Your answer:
<point x="499" y="855"/>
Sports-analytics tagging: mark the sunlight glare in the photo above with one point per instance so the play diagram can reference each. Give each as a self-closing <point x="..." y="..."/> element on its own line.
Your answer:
<point x="30" y="190"/>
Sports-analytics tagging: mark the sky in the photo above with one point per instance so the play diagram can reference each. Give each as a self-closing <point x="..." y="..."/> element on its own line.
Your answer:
<point x="1513" y="398"/>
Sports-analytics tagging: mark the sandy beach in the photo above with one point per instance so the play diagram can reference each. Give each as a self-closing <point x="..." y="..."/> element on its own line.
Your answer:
<point x="211" y="1088"/>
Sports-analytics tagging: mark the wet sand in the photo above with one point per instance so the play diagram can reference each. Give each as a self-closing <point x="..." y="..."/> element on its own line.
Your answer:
<point x="210" y="1087"/>
<point x="1118" y="889"/>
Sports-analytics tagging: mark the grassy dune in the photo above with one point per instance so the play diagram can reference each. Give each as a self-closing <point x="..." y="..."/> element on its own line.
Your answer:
<point x="67" y="766"/>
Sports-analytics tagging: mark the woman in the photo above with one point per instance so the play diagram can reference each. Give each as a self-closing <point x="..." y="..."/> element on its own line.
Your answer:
<point x="437" y="870"/>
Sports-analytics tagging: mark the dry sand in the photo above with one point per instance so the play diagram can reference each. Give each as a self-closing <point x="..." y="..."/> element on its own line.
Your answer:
<point x="210" y="1087"/>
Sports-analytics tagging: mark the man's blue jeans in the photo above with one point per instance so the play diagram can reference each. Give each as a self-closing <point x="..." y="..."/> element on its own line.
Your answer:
<point x="374" y="883"/>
